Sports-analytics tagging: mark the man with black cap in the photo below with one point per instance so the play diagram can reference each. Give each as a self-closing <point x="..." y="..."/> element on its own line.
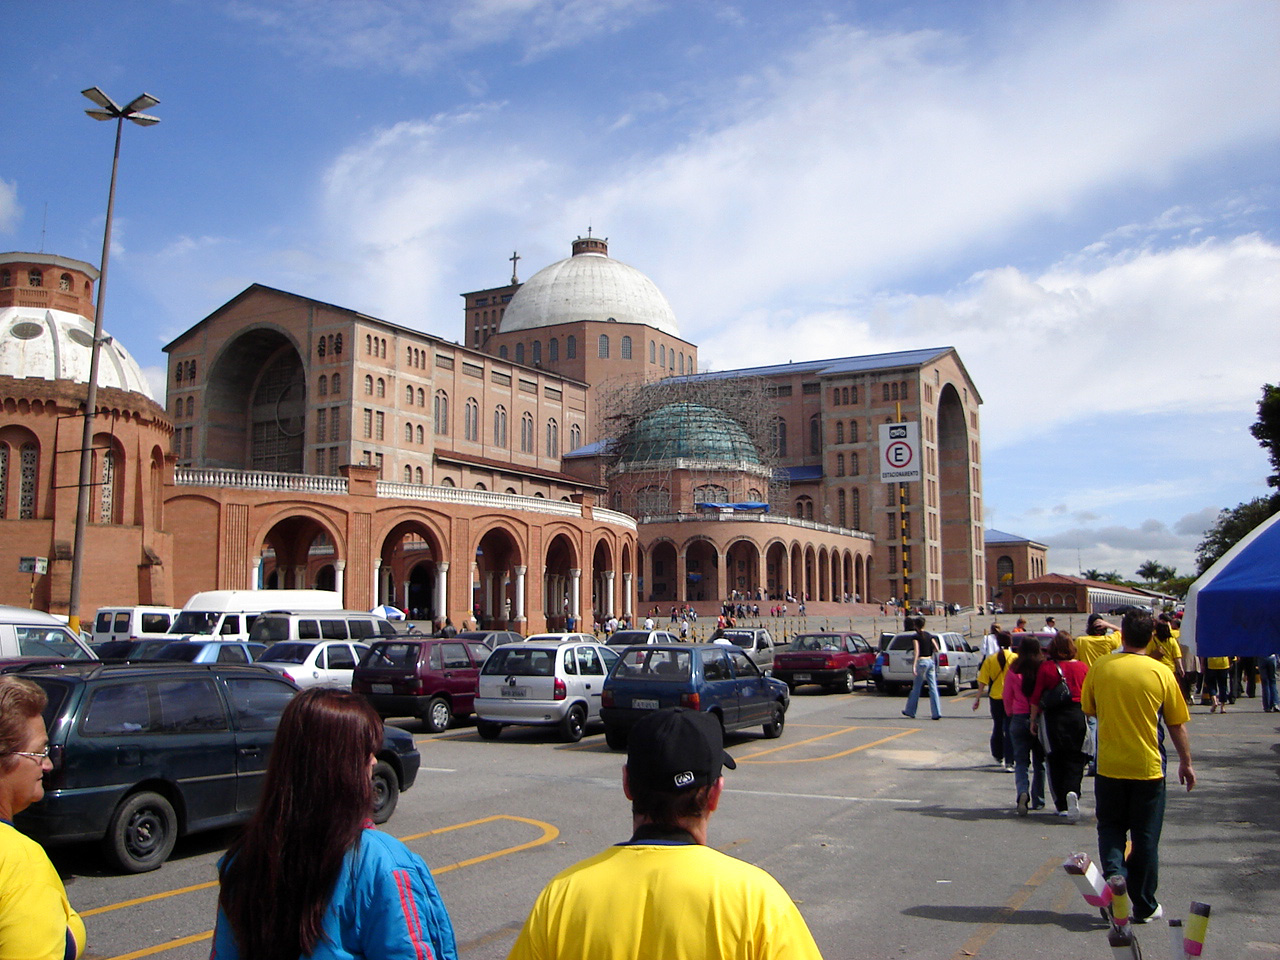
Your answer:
<point x="665" y="893"/>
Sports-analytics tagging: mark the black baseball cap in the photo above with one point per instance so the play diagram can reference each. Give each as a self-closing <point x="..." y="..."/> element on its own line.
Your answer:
<point x="676" y="749"/>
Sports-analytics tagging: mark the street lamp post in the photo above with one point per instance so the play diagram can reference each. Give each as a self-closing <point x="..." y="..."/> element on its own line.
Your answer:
<point x="107" y="110"/>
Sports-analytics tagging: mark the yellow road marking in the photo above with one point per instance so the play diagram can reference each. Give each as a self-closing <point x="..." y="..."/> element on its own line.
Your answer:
<point x="549" y="833"/>
<point x="753" y="757"/>
<point x="1011" y="906"/>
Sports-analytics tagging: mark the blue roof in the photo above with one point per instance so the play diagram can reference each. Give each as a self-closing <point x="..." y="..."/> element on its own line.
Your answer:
<point x="873" y="361"/>
<point x="999" y="536"/>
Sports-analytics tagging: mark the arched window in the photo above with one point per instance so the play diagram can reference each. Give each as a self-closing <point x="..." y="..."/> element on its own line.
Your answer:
<point x="408" y="359"/>
<point x="885" y="390"/>
<point x="710" y="493"/>
<point x="1004" y="569"/>
<point x="35" y="278"/>
<point x="29" y="477"/>
<point x="537" y="352"/>
<point x="471" y="420"/>
<point x="368" y="344"/>
<point x="6" y="278"/>
<point x="440" y="413"/>
<point x="575" y="437"/>
<point x="553" y="350"/>
<point x="839" y="431"/>
<point x="653" y="352"/>
<point x="519" y="353"/>
<point x="857" y="509"/>
<point x="853" y="464"/>
<point x="526" y="433"/>
<point x="604" y="347"/>
<point x="417" y="474"/>
<point x="336" y="384"/>
<point x="447" y="482"/>
<point x="853" y="431"/>
<point x="903" y="390"/>
<point x="571" y="347"/>
<point x="840" y="509"/>
<point x="368" y="385"/>
<point x="553" y="438"/>
<point x="322" y="346"/>
<point x="408" y="395"/>
<point x="815" y="435"/>
<point x="839" y="464"/>
<point x="382" y="387"/>
<point x="322" y="386"/>
<point x="662" y="354"/>
<point x="779" y="437"/>
<point x="682" y="363"/>
<point x="4" y="480"/>
<point x="671" y="358"/>
<point x="835" y="396"/>
<point x="893" y="391"/>
<point x="408" y="433"/>
<point x="502" y="352"/>
<point x="500" y="426"/>
<point x="422" y="397"/>
<point x="420" y="434"/>
<point x="191" y="406"/>
<point x="337" y="345"/>
<point x="626" y="348"/>
<point x="108" y="482"/>
<point x="408" y="474"/>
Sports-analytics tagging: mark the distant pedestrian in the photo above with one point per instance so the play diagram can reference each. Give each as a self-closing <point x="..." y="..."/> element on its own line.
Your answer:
<point x="991" y="681"/>
<point x="1028" y="752"/>
<point x="924" y="649"/>
<point x="1064" y="724"/>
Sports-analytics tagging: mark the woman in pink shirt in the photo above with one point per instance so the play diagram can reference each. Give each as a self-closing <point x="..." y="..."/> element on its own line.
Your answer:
<point x="1065" y="725"/>
<point x="1028" y="754"/>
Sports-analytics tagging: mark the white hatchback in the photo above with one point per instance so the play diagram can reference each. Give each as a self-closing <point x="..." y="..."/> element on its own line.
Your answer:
<point x="542" y="684"/>
<point x="315" y="663"/>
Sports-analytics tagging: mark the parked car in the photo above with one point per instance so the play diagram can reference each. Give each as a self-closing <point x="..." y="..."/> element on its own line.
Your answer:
<point x="129" y="649"/>
<point x="209" y="651"/>
<point x="279" y="626"/>
<point x="132" y="623"/>
<point x="314" y="663"/>
<point x="835" y="660"/>
<point x="428" y="677"/>
<point x="542" y="684"/>
<point x="561" y="638"/>
<point x="145" y="753"/>
<point x="491" y="638"/>
<point x="230" y="613"/>
<point x="627" y="638"/>
<point x="958" y="663"/>
<point x="757" y="642"/>
<point x="718" y="678"/>
<point x="33" y="633"/>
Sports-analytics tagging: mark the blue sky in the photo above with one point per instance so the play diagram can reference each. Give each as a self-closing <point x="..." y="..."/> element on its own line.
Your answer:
<point x="1081" y="197"/>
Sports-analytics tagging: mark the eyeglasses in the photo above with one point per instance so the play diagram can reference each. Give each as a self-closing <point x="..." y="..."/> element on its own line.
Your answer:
<point x="40" y="757"/>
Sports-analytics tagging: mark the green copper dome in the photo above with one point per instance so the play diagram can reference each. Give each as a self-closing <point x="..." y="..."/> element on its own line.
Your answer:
<point x="687" y="431"/>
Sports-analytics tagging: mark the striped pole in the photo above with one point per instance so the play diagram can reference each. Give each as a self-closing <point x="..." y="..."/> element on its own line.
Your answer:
<point x="1088" y="879"/>
<point x="1197" y="927"/>
<point x="1121" y="907"/>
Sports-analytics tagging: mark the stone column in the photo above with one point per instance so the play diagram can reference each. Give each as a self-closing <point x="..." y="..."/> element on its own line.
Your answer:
<point x="488" y="595"/>
<point x="518" y="612"/>
<point x="626" y="594"/>
<point x="682" y="577"/>
<point x="607" y="598"/>
<point x="255" y="573"/>
<point x="377" y="580"/>
<point x="300" y="577"/>
<point x="575" y="597"/>
<point x="339" y="579"/>
<point x="442" y="589"/>
<point x="722" y="575"/>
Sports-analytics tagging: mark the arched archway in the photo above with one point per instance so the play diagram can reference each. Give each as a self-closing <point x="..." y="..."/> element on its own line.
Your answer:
<point x="293" y="551"/>
<point x="605" y="598"/>
<point x="408" y="573"/>
<point x="776" y="568"/>
<point x="742" y="565"/>
<point x="500" y="581"/>
<point x="956" y="499"/>
<point x="255" y="404"/>
<point x="702" y="570"/>
<point x="561" y="590"/>
<point x="662" y="577"/>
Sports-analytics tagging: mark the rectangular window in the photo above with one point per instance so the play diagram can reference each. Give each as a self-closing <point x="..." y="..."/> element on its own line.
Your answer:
<point x="380" y="426"/>
<point x="322" y="425"/>
<point x="333" y="424"/>
<point x="368" y="423"/>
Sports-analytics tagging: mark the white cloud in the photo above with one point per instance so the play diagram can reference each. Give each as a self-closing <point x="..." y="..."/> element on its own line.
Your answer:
<point x="10" y="210"/>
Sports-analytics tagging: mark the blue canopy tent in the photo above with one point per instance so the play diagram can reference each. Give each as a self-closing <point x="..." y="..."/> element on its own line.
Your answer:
<point x="1233" y="609"/>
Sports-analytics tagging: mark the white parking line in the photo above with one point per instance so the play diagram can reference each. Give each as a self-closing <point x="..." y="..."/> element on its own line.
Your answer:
<point x="821" y="796"/>
<point x="436" y="770"/>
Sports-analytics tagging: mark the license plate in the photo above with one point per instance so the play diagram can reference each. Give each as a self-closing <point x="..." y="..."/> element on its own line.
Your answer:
<point x="804" y="676"/>
<point x="644" y="704"/>
<point x="381" y="687"/>
<point x="515" y="692"/>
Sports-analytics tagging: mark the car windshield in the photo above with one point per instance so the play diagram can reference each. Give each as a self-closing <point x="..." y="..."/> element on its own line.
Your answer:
<point x="177" y="650"/>
<point x="520" y="662"/>
<point x="288" y="652"/>
<point x="742" y="638"/>
<point x="655" y="664"/>
<point x="199" y="622"/>
<point x="383" y="655"/>
<point x="816" y="641"/>
<point x="625" y="637"/>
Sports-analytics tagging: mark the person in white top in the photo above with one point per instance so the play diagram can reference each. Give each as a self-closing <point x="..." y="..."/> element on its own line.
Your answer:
<point x="991" y="642"/>
<point x="648" y="623"/>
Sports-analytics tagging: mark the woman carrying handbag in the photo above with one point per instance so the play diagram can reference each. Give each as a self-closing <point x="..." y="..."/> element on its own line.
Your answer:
<point x="1056" y="696"/>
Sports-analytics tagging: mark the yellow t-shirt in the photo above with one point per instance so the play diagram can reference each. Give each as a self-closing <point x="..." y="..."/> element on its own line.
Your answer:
<point x="1127" y="693"/>
<point x="1218" y="663"/>
<point x="674" y="902"/>
<point x="991" y="674"/>
<point x="1089" y="648"/>
<point x="1168" y="652"/>
<point x="35" y="915"/>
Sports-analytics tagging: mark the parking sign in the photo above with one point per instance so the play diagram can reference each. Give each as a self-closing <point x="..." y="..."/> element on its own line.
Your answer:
<point x="899" y="452"/>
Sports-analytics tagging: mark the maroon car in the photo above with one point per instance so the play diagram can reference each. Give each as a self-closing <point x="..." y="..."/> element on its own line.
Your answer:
<point x="836" y="660"/>
<point x="434" y="679"/>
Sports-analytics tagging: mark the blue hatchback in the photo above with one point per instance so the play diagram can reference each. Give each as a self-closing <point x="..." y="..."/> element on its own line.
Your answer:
<point x="714" y="677"/>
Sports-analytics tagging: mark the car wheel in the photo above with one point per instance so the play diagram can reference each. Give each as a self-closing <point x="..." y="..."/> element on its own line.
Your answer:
<point x="437" y="715"/>
<point x="574" y="722"/>
<point x="773" y="729"/>
<point x="616" y="738"/>
<point x="386" y="791"/>
<point x="846" y="682"/>
<point x="142" y="832"/>
<point x="956" y="685"/>
<point x="487" y="730"/>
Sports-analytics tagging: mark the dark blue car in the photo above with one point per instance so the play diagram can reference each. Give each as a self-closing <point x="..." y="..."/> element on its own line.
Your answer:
<point x="714" y="677"/>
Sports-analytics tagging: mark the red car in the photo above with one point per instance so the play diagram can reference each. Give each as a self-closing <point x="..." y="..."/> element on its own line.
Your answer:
<point x="836" y="660"/>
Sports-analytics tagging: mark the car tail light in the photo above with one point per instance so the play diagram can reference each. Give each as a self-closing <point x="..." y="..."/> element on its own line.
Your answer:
<point x="606" y="697"/>
<point x="561" y="690"/>
<point x="942" y="659"/>
<point x="690" y="700"/>
<point x="289" y="676"/>
<point x="830" y="663"/>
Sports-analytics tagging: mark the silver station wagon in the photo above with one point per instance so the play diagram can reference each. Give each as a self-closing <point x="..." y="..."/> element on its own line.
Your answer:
<point x="542" y="684"/>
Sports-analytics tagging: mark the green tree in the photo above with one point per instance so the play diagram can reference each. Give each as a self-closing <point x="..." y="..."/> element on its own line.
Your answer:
<point x="1231" y="526"/>
<point x="1093" y="573"/>
<point x="1153" y="572"/>
<point x="1266" y="430"/>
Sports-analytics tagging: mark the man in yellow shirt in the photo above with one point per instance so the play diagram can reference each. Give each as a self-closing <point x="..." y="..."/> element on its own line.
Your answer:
<point x="1130" y="693"/>
<point x="665" y="893"/>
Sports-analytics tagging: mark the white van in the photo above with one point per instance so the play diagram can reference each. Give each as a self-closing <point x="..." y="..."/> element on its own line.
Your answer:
<point x="229" y="614"/>
<point x="133" y="623"/>
<point x="34" y="633"/>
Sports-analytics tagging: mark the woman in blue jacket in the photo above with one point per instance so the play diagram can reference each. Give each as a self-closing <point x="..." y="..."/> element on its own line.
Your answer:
<point x="309" y="877"/>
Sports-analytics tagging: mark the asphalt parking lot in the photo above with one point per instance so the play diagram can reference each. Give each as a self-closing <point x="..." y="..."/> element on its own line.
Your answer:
<point x="897" y="838"/>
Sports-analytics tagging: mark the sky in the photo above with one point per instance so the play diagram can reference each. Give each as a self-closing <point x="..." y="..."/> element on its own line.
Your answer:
<point x="1081" y="197"/>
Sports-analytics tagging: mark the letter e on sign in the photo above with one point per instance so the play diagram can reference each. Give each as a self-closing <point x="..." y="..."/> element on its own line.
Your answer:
<point x="899" y="452"/>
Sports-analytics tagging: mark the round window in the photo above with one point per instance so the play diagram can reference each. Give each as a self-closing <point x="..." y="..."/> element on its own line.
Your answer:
<point x="76" y="335"/>
<point x="26" y="330"/>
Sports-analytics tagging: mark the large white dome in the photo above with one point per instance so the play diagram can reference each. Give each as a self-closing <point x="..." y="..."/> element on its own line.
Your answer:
<point x="56" y="345"/>
<point x="588" y="286"/>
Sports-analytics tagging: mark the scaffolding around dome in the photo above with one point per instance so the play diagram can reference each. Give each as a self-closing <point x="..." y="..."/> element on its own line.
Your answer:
<point x="681" y="447"/>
